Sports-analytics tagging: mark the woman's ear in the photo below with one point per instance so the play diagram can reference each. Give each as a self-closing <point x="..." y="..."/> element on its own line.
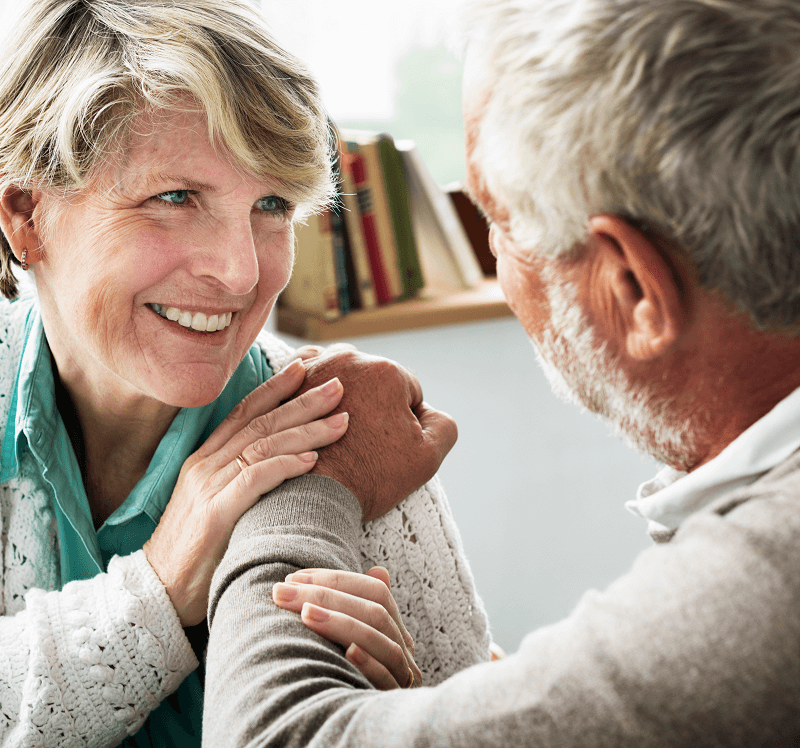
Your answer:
<point x="17" y="207"/>
<point x="637" y="290"/>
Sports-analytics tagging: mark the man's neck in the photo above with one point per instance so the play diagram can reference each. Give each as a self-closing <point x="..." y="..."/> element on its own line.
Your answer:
<point x="742" y="374"/>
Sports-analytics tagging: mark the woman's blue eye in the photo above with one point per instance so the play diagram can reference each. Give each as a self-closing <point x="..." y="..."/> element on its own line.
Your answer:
<point x="176" y="197"/>
<point x="273" y="204"/>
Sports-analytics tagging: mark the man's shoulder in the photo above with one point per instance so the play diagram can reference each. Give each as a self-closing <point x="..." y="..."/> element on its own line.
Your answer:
<point x="777" y="491"/>
<point x="763" y="517"/>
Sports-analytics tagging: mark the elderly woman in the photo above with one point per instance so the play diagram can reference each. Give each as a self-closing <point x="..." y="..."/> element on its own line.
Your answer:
<point x="153" y="154"/>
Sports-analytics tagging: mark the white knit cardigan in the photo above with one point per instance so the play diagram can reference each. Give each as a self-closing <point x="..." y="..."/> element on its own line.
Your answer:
<point x="84" y="665"/>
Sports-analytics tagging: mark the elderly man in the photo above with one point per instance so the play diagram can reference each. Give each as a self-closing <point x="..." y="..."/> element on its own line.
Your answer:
<point x="638" y="160"/>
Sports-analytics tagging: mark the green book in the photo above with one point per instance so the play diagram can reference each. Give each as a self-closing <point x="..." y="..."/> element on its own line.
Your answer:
<point x="394" y="179"/>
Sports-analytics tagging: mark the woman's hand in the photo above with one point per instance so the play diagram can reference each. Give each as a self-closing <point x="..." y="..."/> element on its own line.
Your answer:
<point x="275" y="441"/>
<point x="358" y="612"/>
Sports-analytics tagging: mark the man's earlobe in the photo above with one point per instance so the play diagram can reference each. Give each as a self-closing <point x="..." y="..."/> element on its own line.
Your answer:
<point x="644" y="300"/>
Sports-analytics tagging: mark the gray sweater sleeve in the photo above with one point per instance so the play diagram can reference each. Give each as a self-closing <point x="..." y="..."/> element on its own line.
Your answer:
<point x="698" y="645"/>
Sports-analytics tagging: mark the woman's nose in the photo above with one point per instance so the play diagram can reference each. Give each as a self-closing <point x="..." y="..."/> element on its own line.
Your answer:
<point x="229" y="258"/>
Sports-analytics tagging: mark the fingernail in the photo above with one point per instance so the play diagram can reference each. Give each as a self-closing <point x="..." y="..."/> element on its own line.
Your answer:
<point x="285" y="592"/>
<point x="338" y="420"/>
<point x="308" y="456"/>
<point x="296" y="364"/>
<point x="313" y="613"/>
<point x="356" y="655"/>
<point x="329" y="388"/>
<point x="299" y="578"/>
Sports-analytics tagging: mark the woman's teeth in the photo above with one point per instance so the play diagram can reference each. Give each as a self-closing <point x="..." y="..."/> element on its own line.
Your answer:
<point x="194" y="320"/>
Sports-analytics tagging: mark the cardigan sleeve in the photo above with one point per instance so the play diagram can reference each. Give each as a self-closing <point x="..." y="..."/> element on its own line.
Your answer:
<point x="85" y="665"/>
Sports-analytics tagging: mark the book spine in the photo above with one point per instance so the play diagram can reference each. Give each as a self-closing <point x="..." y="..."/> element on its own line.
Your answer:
<point x="357" y="254"/>
<point x="459" y="244"/>
<point x="441" y="273"/>
<point x="367" y="211"/>
<point x="338" y="235"/>
<point x="396" y="185"/>
<point x="312" y="287"/>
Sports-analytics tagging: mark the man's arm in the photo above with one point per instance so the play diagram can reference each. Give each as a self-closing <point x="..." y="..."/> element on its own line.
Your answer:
<point x="697" y="645"/>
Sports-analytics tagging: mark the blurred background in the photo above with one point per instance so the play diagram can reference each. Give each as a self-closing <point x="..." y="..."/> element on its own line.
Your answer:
<point x="383" y="66"/>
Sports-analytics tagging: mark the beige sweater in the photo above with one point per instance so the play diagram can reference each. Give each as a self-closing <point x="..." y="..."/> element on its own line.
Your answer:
<point x="698" y="645"/>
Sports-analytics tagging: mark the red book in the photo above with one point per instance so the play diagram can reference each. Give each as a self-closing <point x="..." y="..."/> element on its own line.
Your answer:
<point x="365" y="205"/>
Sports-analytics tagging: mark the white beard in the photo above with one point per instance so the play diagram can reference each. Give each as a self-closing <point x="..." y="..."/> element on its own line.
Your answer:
<point x="585" y="372"/>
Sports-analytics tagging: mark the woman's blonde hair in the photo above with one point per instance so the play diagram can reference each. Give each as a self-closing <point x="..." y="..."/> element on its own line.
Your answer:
<point x="75" y="73"/>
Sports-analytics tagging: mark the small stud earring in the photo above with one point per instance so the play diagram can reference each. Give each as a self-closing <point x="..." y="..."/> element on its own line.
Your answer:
<point x="24" y="262"/>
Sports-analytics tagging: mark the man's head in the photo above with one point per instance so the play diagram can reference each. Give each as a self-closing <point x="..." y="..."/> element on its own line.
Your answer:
<point x="638" y="159"/>
<point x="682" y="115"/>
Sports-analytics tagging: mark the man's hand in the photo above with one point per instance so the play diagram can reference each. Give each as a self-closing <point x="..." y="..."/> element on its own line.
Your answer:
<point x="395" y="442"/>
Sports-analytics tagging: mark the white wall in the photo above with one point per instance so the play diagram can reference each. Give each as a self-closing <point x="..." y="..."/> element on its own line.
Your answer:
<point x="536" y="487"/>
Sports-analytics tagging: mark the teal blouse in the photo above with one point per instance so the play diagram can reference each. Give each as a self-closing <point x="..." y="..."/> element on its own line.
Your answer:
<point x="34" y="424"/>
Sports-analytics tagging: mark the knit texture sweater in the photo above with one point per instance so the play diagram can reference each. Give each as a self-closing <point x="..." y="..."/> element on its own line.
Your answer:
<point x="85" y="665"/>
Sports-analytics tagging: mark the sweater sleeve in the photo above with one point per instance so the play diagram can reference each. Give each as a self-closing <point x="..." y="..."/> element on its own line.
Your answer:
<point x="696" y="646"/>
<point x="85" y="665"/>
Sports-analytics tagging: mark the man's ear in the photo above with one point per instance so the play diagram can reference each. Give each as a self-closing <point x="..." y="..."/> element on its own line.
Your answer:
<point x="17" y="219"/>
<point x="641" y="297"/>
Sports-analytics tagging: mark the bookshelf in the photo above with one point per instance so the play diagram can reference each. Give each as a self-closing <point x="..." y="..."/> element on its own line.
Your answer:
<point x="397" y="252"/>
<point x="429" y="309"/>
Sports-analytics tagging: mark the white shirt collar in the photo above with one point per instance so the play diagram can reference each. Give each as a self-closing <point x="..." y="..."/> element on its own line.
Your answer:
<point x="671" y="496"/>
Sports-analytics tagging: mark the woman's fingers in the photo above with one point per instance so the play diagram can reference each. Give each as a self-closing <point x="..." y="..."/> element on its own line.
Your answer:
<point x="264" y="398"/>
<point x="305" y="438"/>
<point x="373" y="586"/>
<point x="245" y="489"/>
<point x="304" y="409"/>
<point x="373" y="671"/>
<point x="309" y="436"/>
<point x="363" y="608"/>
<point x="382" y="574"/>
<point x="345" y="630"/>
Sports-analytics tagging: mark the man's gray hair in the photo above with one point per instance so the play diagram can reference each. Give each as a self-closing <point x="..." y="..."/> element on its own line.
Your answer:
<point x="682" y="116"/>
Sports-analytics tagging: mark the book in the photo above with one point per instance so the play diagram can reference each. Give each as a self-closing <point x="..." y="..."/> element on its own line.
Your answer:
<point x="338" y="231"/>
<point x="394" y="179"/>
<point x="475" y="225"/>
<point x="447" y="256"/>
<point x="313" y="286"/>
<point x="356" y="241"/>
<point x="374" y="198"/>
<point x="369" y="224"/>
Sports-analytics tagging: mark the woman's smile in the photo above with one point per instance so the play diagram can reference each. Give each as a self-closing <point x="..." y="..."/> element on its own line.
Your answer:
<point x="198" y="321"/>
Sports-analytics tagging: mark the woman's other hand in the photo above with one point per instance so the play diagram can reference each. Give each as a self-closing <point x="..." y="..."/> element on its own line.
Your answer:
<point x="260" y="444"/>
<point x="358" y="612"/>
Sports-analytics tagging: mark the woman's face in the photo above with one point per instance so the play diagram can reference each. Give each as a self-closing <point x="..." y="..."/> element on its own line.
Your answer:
<point x="170" y="235"/>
